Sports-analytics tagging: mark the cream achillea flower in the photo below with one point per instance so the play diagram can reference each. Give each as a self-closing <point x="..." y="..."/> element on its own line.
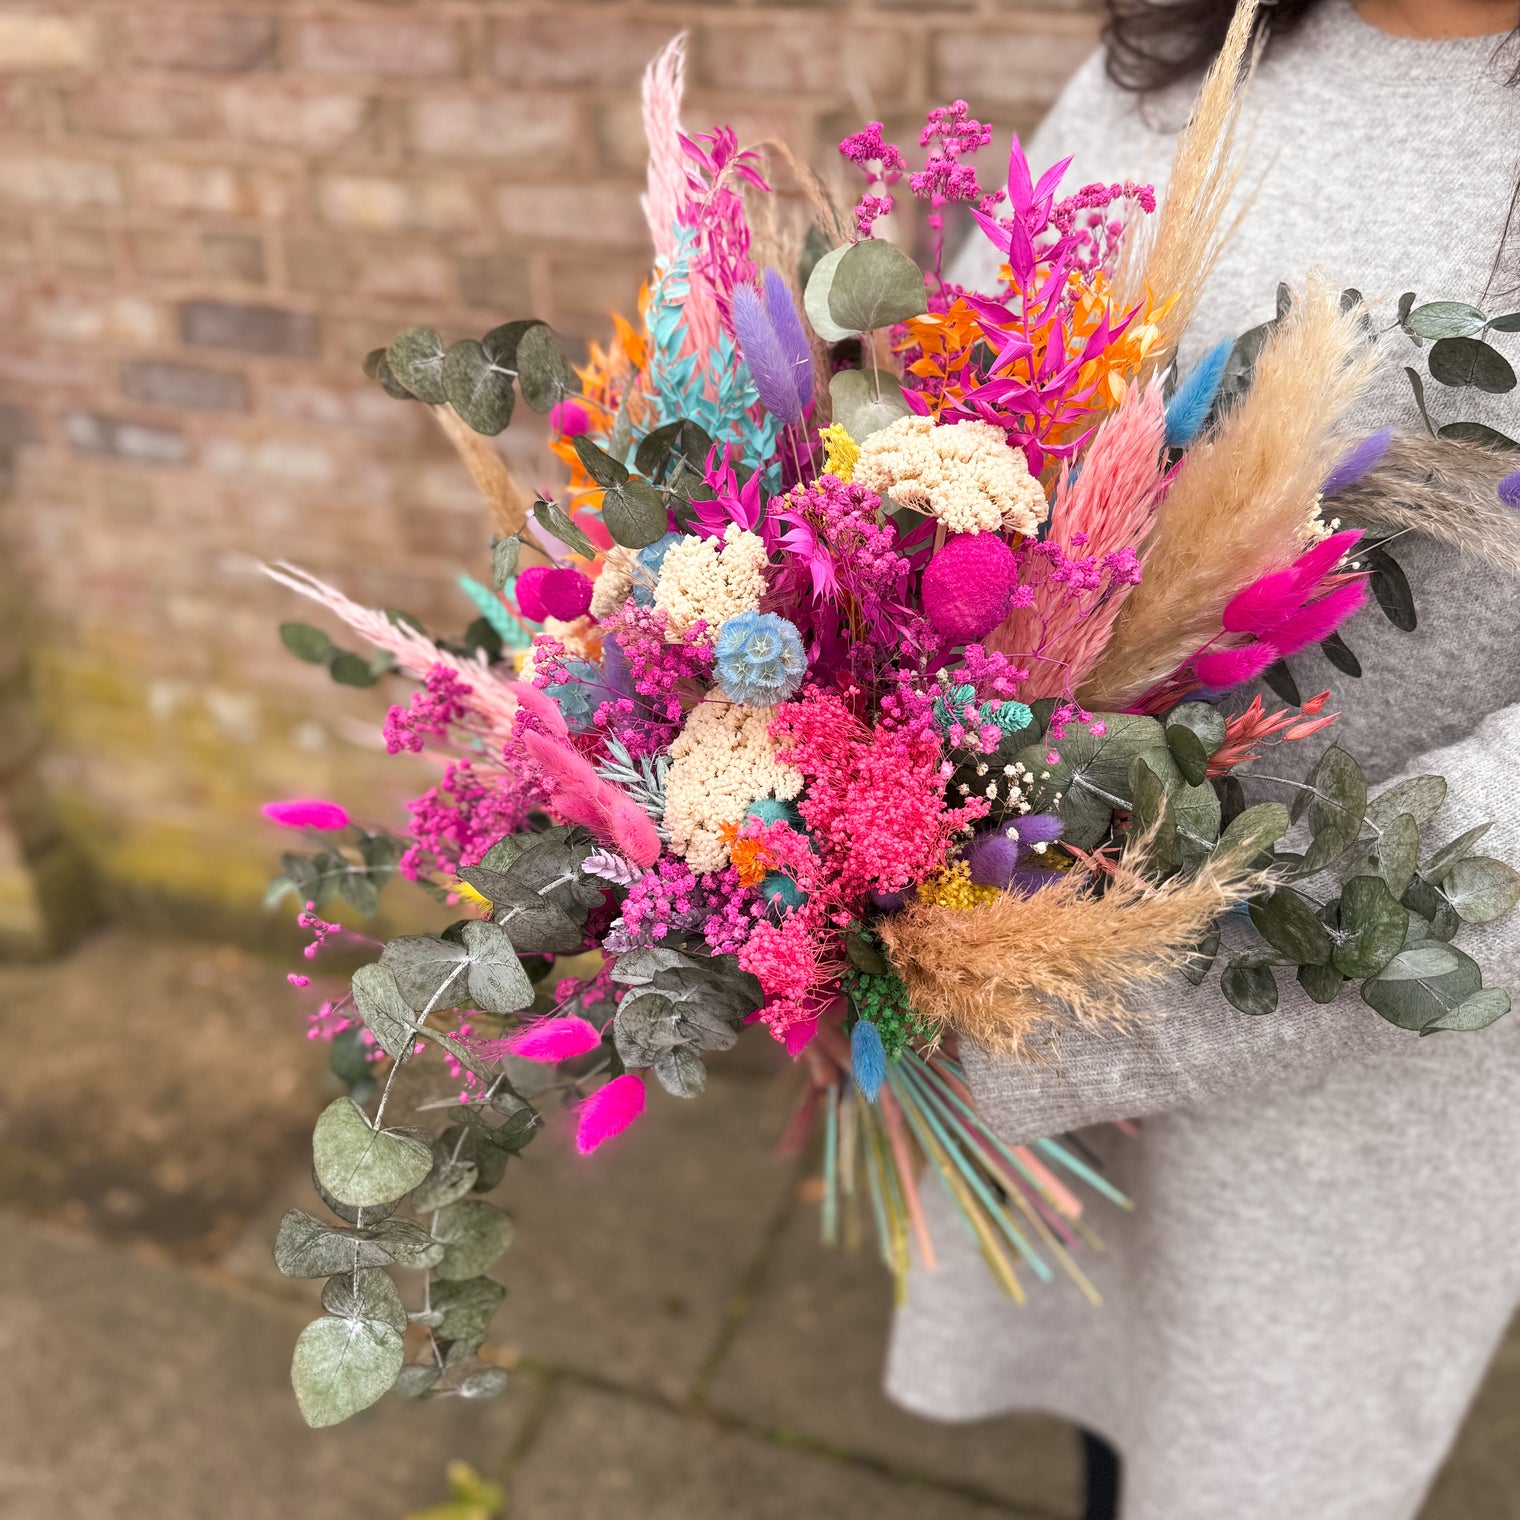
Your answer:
<point x="615" y="584"/>
<point x="702" y="579"/>
<point x="963" y="473"/>
<point x="722" y="761"/>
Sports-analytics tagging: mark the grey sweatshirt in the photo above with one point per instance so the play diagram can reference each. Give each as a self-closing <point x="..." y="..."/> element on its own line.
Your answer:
<point x="1326" y="1242"/>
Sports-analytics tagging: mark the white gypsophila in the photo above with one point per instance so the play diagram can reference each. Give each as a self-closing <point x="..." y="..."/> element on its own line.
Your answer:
<point x="966" y="474"/>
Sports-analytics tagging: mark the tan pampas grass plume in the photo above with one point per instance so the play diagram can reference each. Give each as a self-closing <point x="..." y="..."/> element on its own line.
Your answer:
<point x="1011" y="974"/>
<point x="1241" y="504"/>
<point x="1447" y="491"/>
<point x="1173" y="253"/>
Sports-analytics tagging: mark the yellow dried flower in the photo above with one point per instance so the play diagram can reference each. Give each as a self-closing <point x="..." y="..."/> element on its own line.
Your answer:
<point x="952" y="887"/>
<point x="840" y="452"/>
<point x="964" y="473"/>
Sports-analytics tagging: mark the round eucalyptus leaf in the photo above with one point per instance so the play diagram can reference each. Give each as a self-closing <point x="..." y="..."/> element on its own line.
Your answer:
<point x="416" y="360"/>
<point x="815" y="298"/>
<point x="1471" y="362"/>
<point x="1258" y="828"/>
<point x="342" y="1366"/>
<point x="554" y="521"/>
<point x="681" y="1072"/>
<point x="1337" y="806"/>
<point x="1197" y="965"/>
<point x="859" y="409"/>
<point x="1291" y="927"/>
<point x="476" y="388"/>
<point x="635" y="514"/>
<point x="598" y="463"/>
<point x="474" y="1233"/>
<point x="385" y="1012"/>
<point x="306" y="643"/>
<point x="349" y="670"/>
<point x="466" y="1307"/>
<point x="366" y="1294"/>
<point x="1425" y="981"/>
<point x="543" y="373"/>
<point x="1398" y="853"/>
<point x="1422" y="797"/>
<point x="1477" y="432"/>
<point x="1439" y="864"/>
<point x="864" y="956"/>
<point x="1322" y="983"/>
<point x="378" y="368"/>
<point x="1486" y="1006"/>
<point x="504" y="555"/>
<point x="1482" y="889"/>
<point x="1445" y="319"/>
<point x="1375" y="924"/>
<point x="417" y="1378"/>
<point x="1194" y="730"/>
<point x="360" y="1165"/>
<point x="875" y="285"/>
<point x="1250" y="988"/>
<point x="483" y="1383"/>
<point x="451" y="1179"/>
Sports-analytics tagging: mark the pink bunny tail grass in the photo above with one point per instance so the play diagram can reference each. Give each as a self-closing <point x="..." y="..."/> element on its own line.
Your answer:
<point x="664" y="85"/>
<point x="306" y="813"/>
<point x="550" y="1040"/>
<point x="581" y="796"/>
<point x="1319" y="619"/>
<point x="1222" y="668"/>
<point x="799" y="1036"/>
<point x="493" y="701"/>
<point x="608" y="1112"/>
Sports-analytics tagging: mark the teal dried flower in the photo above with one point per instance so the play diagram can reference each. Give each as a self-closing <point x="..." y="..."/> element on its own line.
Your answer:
<point x="759" y="659"/>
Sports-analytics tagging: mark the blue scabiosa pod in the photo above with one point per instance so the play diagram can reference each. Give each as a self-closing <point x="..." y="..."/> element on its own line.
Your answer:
<point x="759" y="659"/>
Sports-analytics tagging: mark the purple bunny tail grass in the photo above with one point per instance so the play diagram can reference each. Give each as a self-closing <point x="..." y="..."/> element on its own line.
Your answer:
<point x="1509" y="490"/>
<point x="791" y="334"/>
<point x="768" y="363"/>
<point x="1357" y="461"/>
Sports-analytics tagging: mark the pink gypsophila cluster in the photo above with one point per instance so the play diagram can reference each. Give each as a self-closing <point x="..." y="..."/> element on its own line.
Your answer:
<point x="439" y="702"/>
<point x="785" y="958"/>
<point x="1096" y="244"/>
<point x="662" y="669"/>
<point x="672" y="900"/>
<point x="454" y="823"/>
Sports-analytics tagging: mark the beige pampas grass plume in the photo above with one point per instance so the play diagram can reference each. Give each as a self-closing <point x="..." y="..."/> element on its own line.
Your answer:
<point x="1242" y="502"/>
<point x="1011" y="974"/>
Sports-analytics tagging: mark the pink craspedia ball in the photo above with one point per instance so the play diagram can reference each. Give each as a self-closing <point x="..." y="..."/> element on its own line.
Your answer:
<point x="529" y="592"/>
<point x="968" y="585"/>
<point x="566" y="594"/>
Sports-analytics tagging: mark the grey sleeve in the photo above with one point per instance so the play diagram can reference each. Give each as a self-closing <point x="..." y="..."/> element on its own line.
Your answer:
<point x="1191" y="1046"/>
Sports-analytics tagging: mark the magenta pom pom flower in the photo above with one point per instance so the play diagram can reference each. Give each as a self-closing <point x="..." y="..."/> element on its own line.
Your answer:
<point x="563" y="594"/>
<point x="968" y="586"/>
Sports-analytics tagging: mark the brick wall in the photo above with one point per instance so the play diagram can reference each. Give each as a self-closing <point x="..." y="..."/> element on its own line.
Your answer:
<point x="208" y="213"/>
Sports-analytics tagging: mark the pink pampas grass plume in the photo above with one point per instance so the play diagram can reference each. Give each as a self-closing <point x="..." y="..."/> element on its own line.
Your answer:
<point x="306" y="813"/>
<point x="550" y="1040"/>
<point x="664" y="84"/>
<point x="608" y="1112"/>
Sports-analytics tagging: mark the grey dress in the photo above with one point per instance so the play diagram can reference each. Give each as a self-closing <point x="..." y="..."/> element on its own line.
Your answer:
<point x="1326" y="1244"/>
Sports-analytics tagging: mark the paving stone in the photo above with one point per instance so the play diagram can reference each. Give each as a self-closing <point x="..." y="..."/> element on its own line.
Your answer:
<point x="605" y="1457"/>
<point x="808" y="1359"/>
<point x="624" y="1262"/>
<point x="186" y="1061"/>
<point x="1481" y="1479"/>
<point x="137" y="1390"/>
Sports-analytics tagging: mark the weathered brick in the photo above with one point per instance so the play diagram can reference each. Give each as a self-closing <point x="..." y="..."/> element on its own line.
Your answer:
<point x="136" y="110"/>
<point x="495" y="281"/>
<point x="233" y="256"/>
<point x="94" y="433"/>
<point x="387" y="45"/>
<point x="297" y="459"/>
<point x="509" y="127"/>
<point x="248" y="329"/>
<point x="22" y="108"/>
<point x="18" y="245"/>
<point x="47" y="179"/>
<point x="203" y="41"/>
<point x="608" y="51"/>
<point x="162" y="253"/>
<point x="317" y="265"/>
<point x="400" y="273"/>
<point x="84" y="318"/>
<point x="1024" y="65"/>
<point x="279" y="115"/>
<point x="174" y="185"/>
<point x="37" y="39"/>
<point x="586" y="290"/>
<point x="804" y="56"/>
<point x="192" y="387"/>
<point x="17" y="425"/>
<point x="84" y="250"/>
<point x="378" y="203"/>
<point x="599" y="214"/>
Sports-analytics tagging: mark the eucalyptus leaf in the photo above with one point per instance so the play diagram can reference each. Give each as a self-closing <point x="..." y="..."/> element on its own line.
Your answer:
<point x="483" y="972"/>
<point x="504" y="556"/>
<point x="862" y="408"/>
<point x="1422" y="797"/>
<point x="1288" y="923"/>
<point x="1439" y="864"/>
<point x="1486" y="1006"/>
<point x="359" y="890"/>
<point x="306" y="643"/>
<point x="1431" y="904"/>
<point x="349" y="670"/>
<point x="1256" y="829"/>
<point x="1479" y="433"/>
<point x="1194" y="731"/>
<point x="1445" y="319"/>
<point x="1322" y="983"/>
<point x="1462" y="362"/>
<point x="1481" y="889"/>
<point x="1092" y="773"/>
<point x="1337" y="806"/>
<point x="360" y="1165"/>
<point x="665" y="451"/>
<point x="385" y="1012"/>
<point x="1391" y="589"/>
<point x="544" y="374"/>
<point x="1422" y="983"/>
<point x="450" y="1180"/>
<point x="635" y="514"/>
<point x="378" y="368"/>
<point x="815" y="298"/>
<point x="1339" y="653"/>
<point x="1197" y="965"/>
<point x="598" y="463"/>
<point x="341" y="1366"/>
<point x="552" y="516"/>
<point x="1248" y="987"/>
<point x="366" y="1294"/>
<point x="483" y="1382"/>
<point x="1279" y="679"/>
<point x="1398" y="853"/>
<point x="1374" y="925"/>
<point x="1150" y="816"/>
<point x="467" y="1307"/>
<point x="416" y="360"/>
<point x="875" y="285"/>
<point x="681" y="1072"/>
<point x="479" y="391"/>
<point x="501" y="343"/>
<point x="474" y="1233"/>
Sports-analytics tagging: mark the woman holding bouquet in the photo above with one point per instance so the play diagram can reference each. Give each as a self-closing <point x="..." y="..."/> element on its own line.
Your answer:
<point x="1326" y="1247"/>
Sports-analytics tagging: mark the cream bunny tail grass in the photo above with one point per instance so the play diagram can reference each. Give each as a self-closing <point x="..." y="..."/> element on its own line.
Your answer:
<point x="1173" y="252"/>
<point x="1011" y="974"/>
<point x="1242" y="502"/>
<point x="1445" y="490"/>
